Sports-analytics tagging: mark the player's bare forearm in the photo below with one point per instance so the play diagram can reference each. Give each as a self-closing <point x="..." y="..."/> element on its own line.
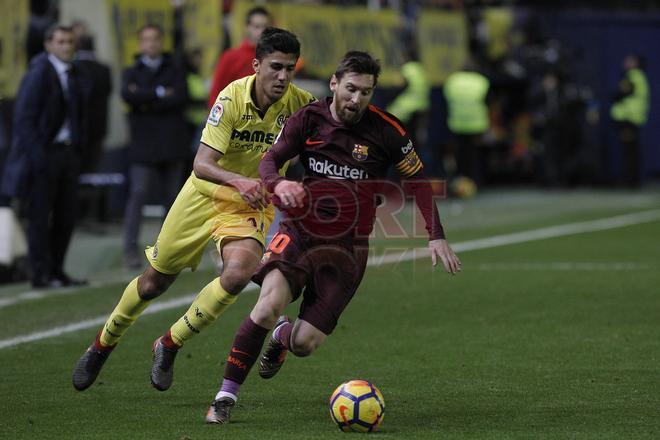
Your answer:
<point x="206" y="167"/>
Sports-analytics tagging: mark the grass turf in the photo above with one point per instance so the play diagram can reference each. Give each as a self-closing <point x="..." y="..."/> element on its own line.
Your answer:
<point x="556" y="338"/>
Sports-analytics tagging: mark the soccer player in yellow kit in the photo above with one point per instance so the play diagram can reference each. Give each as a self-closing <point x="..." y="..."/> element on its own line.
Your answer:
<point x="223" y="200"/>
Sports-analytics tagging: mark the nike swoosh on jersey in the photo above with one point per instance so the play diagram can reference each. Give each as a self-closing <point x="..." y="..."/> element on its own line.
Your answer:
<point x="309" y="141"/>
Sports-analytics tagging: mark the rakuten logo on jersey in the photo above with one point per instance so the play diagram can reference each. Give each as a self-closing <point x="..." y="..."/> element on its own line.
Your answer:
<point x="335" y="171"/>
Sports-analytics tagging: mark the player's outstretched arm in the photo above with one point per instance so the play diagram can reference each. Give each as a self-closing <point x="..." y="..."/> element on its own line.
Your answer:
<point x="206" y="167"/>
<point x="441" y="249"/>
<point x="421" y="190"/>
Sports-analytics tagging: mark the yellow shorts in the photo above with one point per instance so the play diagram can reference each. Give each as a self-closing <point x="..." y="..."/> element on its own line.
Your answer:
<point x="195" y="218"/>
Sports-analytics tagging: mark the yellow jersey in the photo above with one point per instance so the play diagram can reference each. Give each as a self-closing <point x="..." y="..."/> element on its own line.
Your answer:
<point x="235" y="128"/>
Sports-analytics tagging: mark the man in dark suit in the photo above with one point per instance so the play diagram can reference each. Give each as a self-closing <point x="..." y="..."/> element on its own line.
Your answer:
<point x="44" y="162"/>
<point x="154" y="88"/>
<point x="101" y="79"/>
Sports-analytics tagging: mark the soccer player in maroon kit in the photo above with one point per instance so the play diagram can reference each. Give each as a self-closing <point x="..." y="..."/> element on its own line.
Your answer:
<point x="346" y="146"/>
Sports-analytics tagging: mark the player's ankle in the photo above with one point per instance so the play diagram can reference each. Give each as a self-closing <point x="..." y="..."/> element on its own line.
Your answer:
<point x="222" y="394"/>
<point x="101" y="346"/>
<point x="169" y="342"/>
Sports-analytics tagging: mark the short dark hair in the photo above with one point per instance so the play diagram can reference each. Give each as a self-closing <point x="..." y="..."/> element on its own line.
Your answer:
<point x="86" y="42"/>
<point x="358" y="62"/>
<point x="158" y="28"/>
<point x="277" y="40"/>
<point x="50" y="32"/>
<point x="258" y="10"/>
<point x="641" y="60"/>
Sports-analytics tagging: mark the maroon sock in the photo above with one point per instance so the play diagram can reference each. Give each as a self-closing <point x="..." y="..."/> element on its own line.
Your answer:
<point x="245" y="350"/>
<point x="169" y="342"/>
<point x="284" y="334"/>
<point x="99" y="346"/>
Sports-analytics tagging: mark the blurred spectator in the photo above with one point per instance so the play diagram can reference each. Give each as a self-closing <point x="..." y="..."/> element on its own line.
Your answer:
<point x="546" y="103"/>
<point x="155" y="90"/>
<point x="466" y="92"/>
<point x="43" y="14"/>
<point x="630" y="111"/>
<point x="101" y="79"/>
<point x="50" y="122"/>
<point x="558" y="110"/>
<point x="411" y="106"/>
<point x="237" y="63"/>
<point x="80" y="29"/>
<point x="198" y="93"/>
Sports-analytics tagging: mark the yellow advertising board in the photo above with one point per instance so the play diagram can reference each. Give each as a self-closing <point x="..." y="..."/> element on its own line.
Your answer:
<point x="443" y="43"/>
<point x="13" y="35"/>
<point x="128" y="16"/>
<point x="328" y="32"/>
<point x="202" y="24"/>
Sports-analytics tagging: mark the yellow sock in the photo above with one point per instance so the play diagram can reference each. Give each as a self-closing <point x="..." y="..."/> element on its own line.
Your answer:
<point x="211" y="302"/>
<point x="128" y="309"/>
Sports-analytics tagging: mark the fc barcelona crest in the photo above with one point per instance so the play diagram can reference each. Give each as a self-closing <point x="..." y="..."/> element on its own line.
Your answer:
<point x="360" y="152"/>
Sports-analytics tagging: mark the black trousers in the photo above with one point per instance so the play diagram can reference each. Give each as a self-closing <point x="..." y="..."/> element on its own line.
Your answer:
<point x="629" y="138"/>
<point x="51" y="212"/>
<point x="468" y="158"/>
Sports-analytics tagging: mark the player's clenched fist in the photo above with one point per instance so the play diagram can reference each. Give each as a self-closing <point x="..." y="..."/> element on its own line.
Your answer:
<point x="291" y="193"/>
<point x="252" y="191"/>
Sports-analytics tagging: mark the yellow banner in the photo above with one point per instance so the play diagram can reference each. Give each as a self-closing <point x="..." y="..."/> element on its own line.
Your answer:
<point x="202" y="22"/>
<point x="327" y="33"/>
<point x="13" y="34"/>
<point x="499" y="22"/>
<point x="443" y="40"/>
<point x="128" y="16"/>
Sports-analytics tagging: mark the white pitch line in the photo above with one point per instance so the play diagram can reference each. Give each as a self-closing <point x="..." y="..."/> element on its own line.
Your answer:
<point x="532" y="235"/>
<point x="560" y="230"/>
<point x="31" y="295"/>
<point x="562" y="266"/>
<point x="466" y="246"/>
<point x="89" y="323"/>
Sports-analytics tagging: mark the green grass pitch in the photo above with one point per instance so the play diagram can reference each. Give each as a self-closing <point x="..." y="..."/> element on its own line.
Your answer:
<point x="548" y="339"/>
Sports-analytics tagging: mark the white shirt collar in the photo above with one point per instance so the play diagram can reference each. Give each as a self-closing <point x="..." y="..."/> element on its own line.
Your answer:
<point x="60" y="66"/>
<point x="152" y="63"/>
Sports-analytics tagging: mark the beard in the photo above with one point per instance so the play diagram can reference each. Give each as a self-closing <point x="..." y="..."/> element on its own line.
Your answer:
<point x="350" y="117"/>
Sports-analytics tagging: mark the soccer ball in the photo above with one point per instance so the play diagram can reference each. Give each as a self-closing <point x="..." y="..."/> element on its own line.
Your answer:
<point x="358" y="406"/>
<point x="463" y="187"/>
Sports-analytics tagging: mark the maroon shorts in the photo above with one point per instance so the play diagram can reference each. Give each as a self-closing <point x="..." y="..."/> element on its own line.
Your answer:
<point x="329" y="271"/>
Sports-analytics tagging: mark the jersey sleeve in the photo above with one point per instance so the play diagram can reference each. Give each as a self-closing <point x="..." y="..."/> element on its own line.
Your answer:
<point x="221" y="121"/>
<point x="287" y="145"/>
<point x="398" y="143"/>
<point x="420" y="189"/>
<point x="405" y="159"/>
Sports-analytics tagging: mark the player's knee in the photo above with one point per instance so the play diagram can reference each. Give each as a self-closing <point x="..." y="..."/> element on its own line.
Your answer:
<point x="265" y="314"/>
<point x="152" y="286"/>
<point x="305" y="347"/>
<point x="234" y="280"/>
<point x="264" y="317"/>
